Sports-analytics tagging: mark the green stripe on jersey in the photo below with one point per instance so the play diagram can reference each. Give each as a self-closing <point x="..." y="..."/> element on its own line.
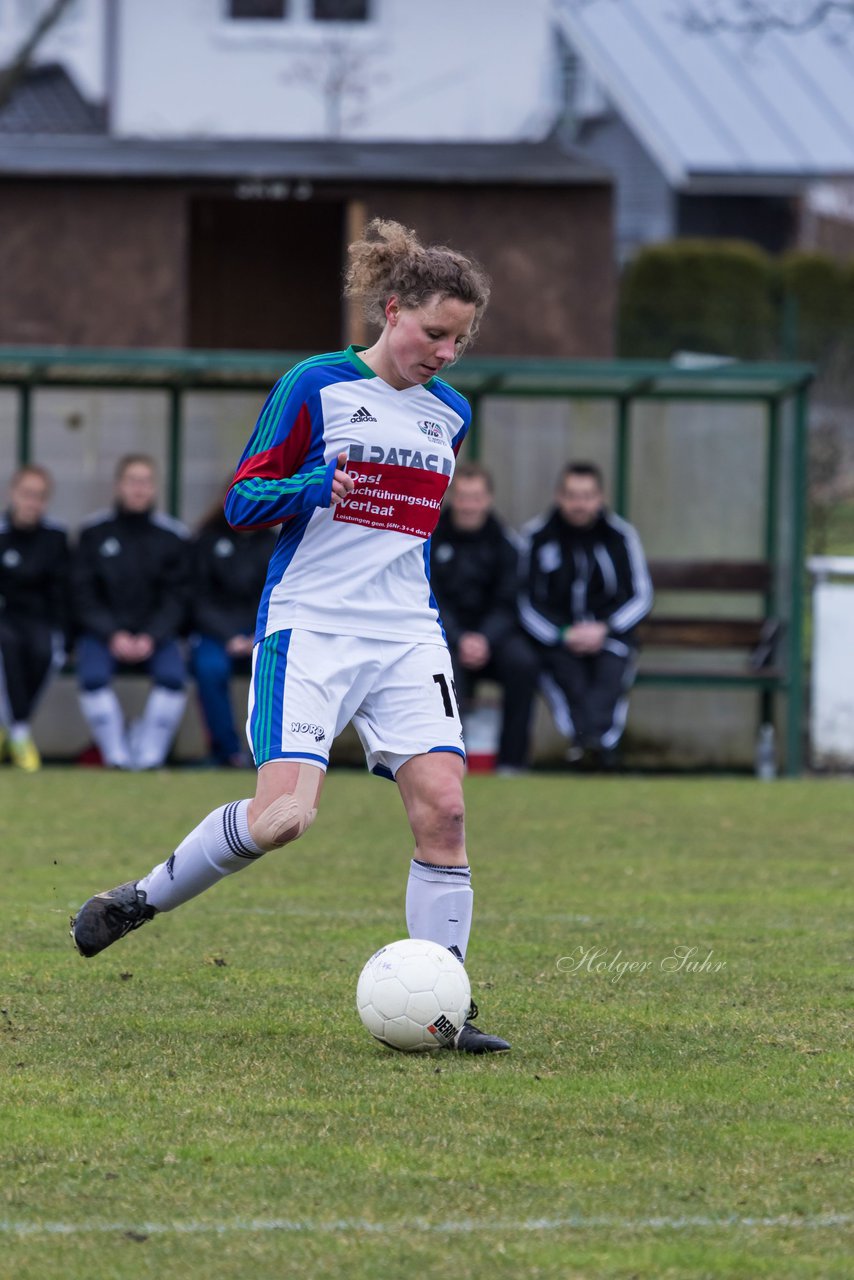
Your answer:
<point x="259" y="487"/>
<point x="267" y="425"/>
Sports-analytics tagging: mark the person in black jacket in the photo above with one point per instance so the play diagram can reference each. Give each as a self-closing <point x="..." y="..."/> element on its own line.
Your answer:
<point x="229" y="572"/>
<point x="585" y="588"/>
<point x="129" y="587"/>
<point x="473" y="573"/>
<point x="34" y="561"/>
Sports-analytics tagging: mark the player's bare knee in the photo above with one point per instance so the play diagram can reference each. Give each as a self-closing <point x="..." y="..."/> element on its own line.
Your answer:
<point x="448" y="806"/>
<point x="453" y="816"/>
<point x="279" y="819"/>
<point x="444" y="820"/>
<point x="282" y="822"/>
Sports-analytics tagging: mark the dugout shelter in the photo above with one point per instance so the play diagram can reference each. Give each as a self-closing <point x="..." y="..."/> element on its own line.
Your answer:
<point x="709" y="463"/>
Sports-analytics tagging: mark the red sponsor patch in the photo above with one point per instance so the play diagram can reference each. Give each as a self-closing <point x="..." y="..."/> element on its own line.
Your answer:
<point x="401" y="499"/>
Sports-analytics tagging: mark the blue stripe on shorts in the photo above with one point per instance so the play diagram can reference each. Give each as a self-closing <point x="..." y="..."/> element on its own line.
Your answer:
<point x="270" y="670"/>
<point x="456" y="751"/>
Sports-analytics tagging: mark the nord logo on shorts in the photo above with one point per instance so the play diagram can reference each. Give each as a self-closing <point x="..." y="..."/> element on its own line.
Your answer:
<point x="400" y="499"/>
<point x="301" y="726"/>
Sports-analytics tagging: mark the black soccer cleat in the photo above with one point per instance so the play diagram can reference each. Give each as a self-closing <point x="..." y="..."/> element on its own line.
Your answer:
<point x="109" y="916"/>
<point x="470" y="1039"/>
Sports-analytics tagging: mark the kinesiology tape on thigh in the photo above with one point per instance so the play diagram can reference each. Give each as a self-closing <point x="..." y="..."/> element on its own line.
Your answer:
<point x="290" y="815"/>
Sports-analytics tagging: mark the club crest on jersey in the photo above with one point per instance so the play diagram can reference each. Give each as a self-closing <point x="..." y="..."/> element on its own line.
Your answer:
<point x="432" y="430"/>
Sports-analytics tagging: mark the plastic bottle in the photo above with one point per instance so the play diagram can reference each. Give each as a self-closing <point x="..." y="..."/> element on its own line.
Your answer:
<point x="766" y="753"/>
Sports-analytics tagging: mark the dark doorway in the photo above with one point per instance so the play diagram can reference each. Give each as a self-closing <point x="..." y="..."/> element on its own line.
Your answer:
<point x="266" y="275"/>
<point x="769" y="221"/>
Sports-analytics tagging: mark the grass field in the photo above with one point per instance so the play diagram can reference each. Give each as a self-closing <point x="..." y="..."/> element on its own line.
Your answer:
<point x="202" y="1100"/>
<point x="835" y="535"/>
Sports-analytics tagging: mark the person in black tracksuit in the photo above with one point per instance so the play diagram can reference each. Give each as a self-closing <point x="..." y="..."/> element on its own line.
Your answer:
<point x="473" y="573"/>
<point x="130" y="583"/>
<point x="34" y="619"/>
<point x="229" y="572"/>
<point x="585" y="587"/>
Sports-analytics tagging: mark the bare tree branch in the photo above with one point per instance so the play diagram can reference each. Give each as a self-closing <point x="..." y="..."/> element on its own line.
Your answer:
<point x="339" y="72"/>
<point x="14" y="71"/>
<point x="756" y="17"/>
<point x="753" y="18"/>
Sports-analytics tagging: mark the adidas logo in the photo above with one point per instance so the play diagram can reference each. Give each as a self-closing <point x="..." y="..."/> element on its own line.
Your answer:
<point x="362" y="415"/>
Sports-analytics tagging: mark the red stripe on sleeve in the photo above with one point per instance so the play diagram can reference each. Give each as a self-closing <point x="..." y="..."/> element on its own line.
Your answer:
<point x="283" y="459"/>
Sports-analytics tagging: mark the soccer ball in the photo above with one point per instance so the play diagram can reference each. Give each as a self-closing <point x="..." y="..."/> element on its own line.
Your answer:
<point x="413" y="995"/>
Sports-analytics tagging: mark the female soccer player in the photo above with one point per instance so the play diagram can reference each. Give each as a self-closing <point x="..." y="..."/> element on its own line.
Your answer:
<point x="352" y="455"/>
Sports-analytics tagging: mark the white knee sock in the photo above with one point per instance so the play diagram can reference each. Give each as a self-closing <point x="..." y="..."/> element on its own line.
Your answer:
<point x="151" y="736"/>
<point x="106" y="723"/>
<point x="439" y="905"/>
<point x="219" y="845"/>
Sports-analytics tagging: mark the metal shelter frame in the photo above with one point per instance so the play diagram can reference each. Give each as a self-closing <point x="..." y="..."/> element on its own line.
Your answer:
<point x="624" y="382"/>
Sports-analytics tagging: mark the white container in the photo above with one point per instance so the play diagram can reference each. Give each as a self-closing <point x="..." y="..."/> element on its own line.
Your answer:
<point x="832" y="705"/>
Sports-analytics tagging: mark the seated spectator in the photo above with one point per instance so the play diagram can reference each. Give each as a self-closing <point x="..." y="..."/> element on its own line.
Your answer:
<point x="129" y="590"/>
<point x="473" y="573"/>
<point x="229" y="572"/>
<point x="585" y="588"/>
<point x="34" y="562"/>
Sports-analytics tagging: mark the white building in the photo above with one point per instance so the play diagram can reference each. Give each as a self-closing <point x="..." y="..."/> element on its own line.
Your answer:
<point x="220" y="154"/>
<point x="461" y="70"/>
<point x="706" y="134"/>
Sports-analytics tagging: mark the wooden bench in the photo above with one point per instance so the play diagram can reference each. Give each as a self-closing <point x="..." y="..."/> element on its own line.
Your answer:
<point x="710" y="627"/>
<point x="709" y="635"/>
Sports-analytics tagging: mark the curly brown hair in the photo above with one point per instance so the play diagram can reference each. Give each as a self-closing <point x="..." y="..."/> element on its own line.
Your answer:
<point x="391" y="260"/>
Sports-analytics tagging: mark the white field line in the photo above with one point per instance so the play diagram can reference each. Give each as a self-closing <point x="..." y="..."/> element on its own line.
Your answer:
<point x="461" y="1227"/>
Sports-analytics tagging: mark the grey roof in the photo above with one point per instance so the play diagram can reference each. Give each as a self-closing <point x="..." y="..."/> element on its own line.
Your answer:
<point x="46" y="102"/>
<point x="540" y="164"/>
<point x="719" y="103"/>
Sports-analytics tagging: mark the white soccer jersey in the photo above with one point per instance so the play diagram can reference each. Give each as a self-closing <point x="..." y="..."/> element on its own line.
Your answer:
<point x="361" y="567"/>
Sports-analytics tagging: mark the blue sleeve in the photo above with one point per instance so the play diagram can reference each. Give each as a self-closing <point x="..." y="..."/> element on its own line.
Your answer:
<point x="260" y="503"/>
<point x="283" y="472"/>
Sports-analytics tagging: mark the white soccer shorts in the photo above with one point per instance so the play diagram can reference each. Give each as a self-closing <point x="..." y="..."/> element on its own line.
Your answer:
<point x="307" y="685"/>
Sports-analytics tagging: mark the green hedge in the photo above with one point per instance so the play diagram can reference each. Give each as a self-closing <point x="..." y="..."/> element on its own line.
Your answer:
<point x="730" y="298"/>
<point x="818" y="303"/>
